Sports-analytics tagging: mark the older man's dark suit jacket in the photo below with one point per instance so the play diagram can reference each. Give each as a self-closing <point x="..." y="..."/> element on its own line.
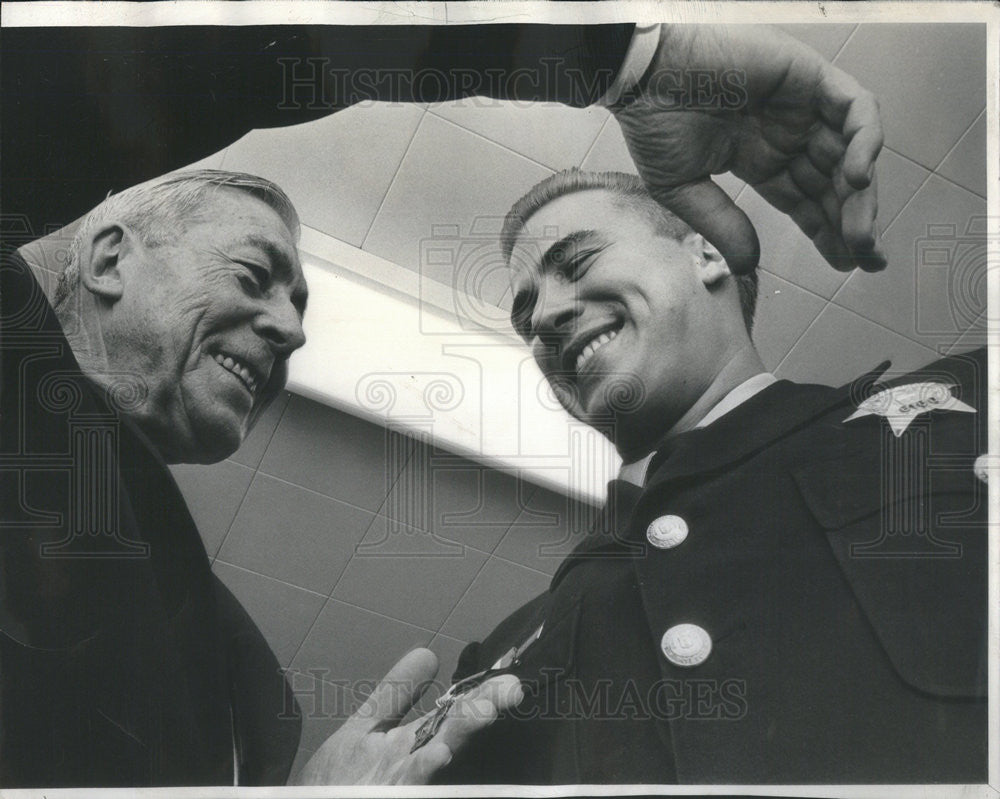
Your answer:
<point x="840" y="572"/>
<point x="124" y="660"/>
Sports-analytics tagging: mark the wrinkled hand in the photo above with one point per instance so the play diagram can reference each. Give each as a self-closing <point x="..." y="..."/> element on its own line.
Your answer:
<point x="801" y="132"/>
<point x="371" y="749"/>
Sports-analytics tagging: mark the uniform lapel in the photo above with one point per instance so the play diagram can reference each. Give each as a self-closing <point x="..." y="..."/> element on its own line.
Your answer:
<point x="768" y="416"/>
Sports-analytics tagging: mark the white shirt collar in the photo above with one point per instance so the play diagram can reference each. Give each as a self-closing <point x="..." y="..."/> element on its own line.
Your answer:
<point x="635" y="472"/>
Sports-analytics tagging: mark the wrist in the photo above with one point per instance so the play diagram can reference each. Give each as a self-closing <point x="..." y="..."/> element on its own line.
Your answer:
<point x="637" y="62"/>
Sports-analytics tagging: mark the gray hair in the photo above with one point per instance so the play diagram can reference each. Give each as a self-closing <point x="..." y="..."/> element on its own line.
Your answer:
<point x="631" y="190"/>
<point x="157" y="210"/>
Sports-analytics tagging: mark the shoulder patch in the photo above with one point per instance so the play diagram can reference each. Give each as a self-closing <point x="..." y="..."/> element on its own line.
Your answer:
<point x="900" y="405"/>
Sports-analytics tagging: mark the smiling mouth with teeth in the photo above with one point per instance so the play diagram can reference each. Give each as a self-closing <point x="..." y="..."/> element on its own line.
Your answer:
<point x="593" y="346"/>
<point x="232" y="365"/>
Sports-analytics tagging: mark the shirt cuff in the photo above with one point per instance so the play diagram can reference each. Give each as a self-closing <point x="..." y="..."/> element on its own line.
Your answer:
<point x="637" y="60"/>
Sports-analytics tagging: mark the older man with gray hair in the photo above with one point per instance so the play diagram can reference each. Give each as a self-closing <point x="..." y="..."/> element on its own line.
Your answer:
<point x="125" y="660"/>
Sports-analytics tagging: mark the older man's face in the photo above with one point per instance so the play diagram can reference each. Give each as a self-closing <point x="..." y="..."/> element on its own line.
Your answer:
<point x="209" y="321"/>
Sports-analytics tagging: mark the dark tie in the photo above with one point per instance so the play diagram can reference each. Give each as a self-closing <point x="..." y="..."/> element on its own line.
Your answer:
<point x="607" y="535"/>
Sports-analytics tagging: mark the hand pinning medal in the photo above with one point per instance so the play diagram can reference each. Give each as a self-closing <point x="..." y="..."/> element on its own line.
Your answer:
<point x="510" y="659"/>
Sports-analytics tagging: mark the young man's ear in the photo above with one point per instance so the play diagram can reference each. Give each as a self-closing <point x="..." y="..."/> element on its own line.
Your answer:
<point x="712" y="267"/>
<point x="101" y="256"/>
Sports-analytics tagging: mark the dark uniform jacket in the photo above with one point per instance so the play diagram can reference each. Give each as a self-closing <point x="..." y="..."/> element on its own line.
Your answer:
<point x="838" y="571"/>
<point x="124" y="660"/>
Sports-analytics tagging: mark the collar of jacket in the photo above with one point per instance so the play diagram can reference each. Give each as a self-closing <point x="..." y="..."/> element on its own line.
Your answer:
<point x="771" y="414"/>
<point x="775" y="411"/>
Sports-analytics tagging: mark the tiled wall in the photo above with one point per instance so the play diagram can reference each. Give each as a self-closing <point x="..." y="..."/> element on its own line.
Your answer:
<point x="350" y="544"/>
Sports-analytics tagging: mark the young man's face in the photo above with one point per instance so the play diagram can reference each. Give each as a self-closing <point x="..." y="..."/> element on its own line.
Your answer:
<point x="209" y="321"/>
<point x="620" y="318"/>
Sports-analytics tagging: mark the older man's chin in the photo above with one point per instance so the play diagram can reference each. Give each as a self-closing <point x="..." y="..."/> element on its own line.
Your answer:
<point x="213" y="436"/>
<point x="203" y="443"/>
<point x="204" y="439"/>
<point x="217" y="442"/>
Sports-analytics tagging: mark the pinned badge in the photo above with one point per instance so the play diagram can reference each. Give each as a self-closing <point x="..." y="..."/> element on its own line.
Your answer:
<point x="902" y="404"/>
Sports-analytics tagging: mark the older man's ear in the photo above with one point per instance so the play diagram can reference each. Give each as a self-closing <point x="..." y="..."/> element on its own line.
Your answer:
<point x="101" y="255"/>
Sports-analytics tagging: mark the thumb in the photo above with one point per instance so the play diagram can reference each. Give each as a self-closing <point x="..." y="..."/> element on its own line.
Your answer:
<point x="712" y="213"/>
<point x="398" y="691"/>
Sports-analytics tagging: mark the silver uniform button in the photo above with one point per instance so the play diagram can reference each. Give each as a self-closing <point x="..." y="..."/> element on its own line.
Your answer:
<point x="666" y="532"/>
<point x="984" y="465"/>
<point x="686" y="645"/>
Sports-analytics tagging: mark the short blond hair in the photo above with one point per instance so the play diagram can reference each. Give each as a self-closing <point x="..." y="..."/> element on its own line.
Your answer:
<point x="630" y="190"/>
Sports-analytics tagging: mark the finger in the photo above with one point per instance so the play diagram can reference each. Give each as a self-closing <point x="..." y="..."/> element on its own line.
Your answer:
<point x="858" y="219"/>
<point x="711" y="212"/>
<point x="397" y="693"/>
<point x="784" y="194"/>
<point x="865" y="131"/>
<point x="853" y="111"/>
<point x="825" y="149"/>
<point x="467" y="716"/>
<point x="832" y="204"/>
<point x="478" y="709"/>
<point x="808" y="178"/>
<point x="830" y="245"/>
<point x="781" y="192"/>
<point x="503" y="691"/>
<point x="809" y="217"/>
<point x="873" y="261"/>
<point x="424" y="764"/>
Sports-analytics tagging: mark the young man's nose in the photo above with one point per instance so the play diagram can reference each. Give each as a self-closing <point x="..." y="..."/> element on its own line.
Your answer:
<point x="557" y="307"/>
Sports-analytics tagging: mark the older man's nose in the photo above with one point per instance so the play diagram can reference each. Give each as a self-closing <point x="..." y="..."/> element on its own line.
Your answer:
<point x="281" y="326"/>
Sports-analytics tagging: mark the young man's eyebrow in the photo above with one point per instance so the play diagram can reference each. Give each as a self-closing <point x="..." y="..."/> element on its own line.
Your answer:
<point x="556" y="255"/>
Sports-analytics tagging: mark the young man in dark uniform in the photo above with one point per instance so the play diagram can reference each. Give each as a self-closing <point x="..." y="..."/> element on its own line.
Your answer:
<point x="788" y="584"/>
